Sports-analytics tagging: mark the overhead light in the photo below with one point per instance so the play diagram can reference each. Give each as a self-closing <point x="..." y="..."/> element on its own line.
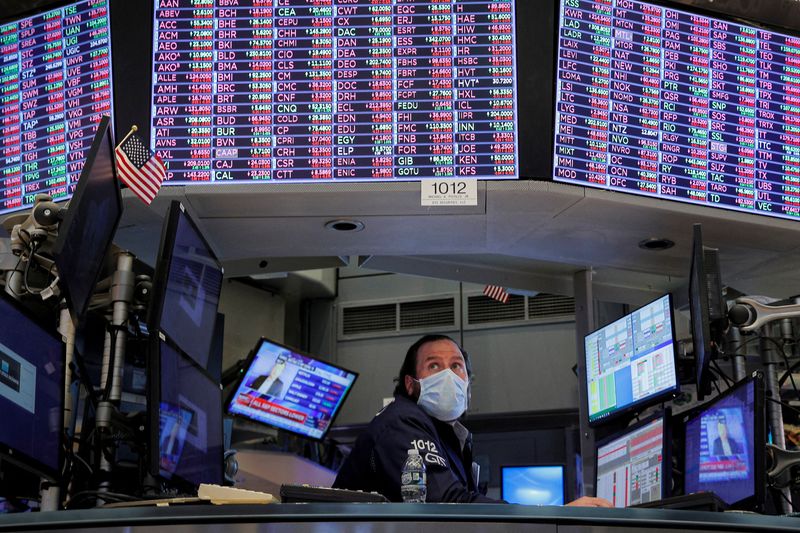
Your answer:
<point x="656" y="244"/>
<point x="345" y="225"/>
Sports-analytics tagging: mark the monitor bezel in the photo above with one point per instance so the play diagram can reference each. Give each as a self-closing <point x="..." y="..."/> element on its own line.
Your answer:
<point x="666" y="448"/>
<point x="20" y="457"/>
<point x="648" y="401"/>
<point x="530" y="465"/>
<point x="164" y="258"/>
<point x="249" y="362"/>
<point x="757" y="500"/>
<point x="154" y="411"/>
<point x="103" y="134"/>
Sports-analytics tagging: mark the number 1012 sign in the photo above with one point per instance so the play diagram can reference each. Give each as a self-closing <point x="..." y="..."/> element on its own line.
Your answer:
<point x="449" y="192"/>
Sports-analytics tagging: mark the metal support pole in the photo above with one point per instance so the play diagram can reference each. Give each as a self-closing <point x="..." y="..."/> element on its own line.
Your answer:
<point x="771" y="361"/>
<point x="584" y="323"/>
<point x="737" y="357"/>
<point x="50" y="494"/>
<point x="122" y="287"/>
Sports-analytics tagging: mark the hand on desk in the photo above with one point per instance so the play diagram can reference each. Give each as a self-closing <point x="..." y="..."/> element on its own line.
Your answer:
<point x="589" y="501"/>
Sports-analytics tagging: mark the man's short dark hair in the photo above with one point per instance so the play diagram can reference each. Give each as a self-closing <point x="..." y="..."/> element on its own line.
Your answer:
<point x="409" y="367"/>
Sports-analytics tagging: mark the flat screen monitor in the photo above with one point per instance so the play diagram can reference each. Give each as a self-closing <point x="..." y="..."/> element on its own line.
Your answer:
<point x="634" y="466"/>
<point x="290" y="390"/>
<point x="677" y="105"/>
<point x="31" y="392"/>
<point x="346" y="91"/>
<point x="725" y="443"/>
<point x="187" y="286"/>
<point x="533" y="485"/>
<point x="55" y="84"/>
<point x="707" y="308"/>
<point x="85" y="235"/>
<point x="185" y="406"/>
<point x="630" y="363"/>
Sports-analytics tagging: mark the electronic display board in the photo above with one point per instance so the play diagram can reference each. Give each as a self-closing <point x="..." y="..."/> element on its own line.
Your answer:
<point x="676" y="105"/>
<point x="253" y="90"/>
<point x="55" y="85"/>
<point x="290" y="390"/>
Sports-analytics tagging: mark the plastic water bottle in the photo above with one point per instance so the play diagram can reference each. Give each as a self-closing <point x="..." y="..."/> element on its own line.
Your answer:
<point x="413" y="482"/>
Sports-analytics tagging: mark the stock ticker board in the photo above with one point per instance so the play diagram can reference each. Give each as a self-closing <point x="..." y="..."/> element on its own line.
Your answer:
<point x="252" y="90"/>
<point x="55" y="84"/>
<point x="677" y="105"/>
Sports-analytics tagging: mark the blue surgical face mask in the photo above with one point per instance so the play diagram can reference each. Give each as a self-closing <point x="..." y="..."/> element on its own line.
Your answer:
<point x="443" y="395"/>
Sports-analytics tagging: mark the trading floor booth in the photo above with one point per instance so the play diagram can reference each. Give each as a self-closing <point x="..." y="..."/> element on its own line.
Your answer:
<point x="225" y="221"/>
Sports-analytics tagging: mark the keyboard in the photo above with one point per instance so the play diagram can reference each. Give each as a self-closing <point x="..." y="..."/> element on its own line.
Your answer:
<point x="308" y="494"/>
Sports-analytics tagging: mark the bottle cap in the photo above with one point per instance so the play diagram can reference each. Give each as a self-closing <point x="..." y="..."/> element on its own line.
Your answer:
<point x="413" y="451"/>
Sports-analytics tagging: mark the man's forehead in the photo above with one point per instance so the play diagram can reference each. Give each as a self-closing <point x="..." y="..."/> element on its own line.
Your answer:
<point x="439" y="349"/>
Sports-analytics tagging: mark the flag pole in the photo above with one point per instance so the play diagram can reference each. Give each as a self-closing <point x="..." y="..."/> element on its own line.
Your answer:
<point x="134" y="129"/>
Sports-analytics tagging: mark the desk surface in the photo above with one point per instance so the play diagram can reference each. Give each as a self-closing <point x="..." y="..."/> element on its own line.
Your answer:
<point x="437" y="518"/>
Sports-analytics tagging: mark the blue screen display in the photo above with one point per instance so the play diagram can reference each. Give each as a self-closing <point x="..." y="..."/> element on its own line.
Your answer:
<point x="291" y="391"/>
<point x="670" y="104"/>
<point x="192" y="293"/>
<point x="720" y="447"/>
<point x="631" y="360"/>
<point x="533" y="485"/>
<point x="190" y="421"/>
<point x="31" y="388"/>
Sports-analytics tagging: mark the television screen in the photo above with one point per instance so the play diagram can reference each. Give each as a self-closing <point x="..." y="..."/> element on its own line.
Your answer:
<point x="186" y="411"/>
<point x="55" y="84"/>
<point x="187" y="288"/>
<point x="532" y="485"/>
<point x="85" y="235"/>
<point x="335" y="90"/>
<point x="725" y="443"/>
<point x="290" y="390"/>
<point x="672" y="104"/>
<point x="634" y="466"/>
<point x="31" y="391"/>
<point x="630" y="363"/>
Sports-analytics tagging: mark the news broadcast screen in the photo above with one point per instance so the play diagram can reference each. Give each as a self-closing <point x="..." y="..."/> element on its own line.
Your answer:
<point x="55" y="85"/>
<point x="677" y="105"/>
<point x="256" y="90"/>
<point x="721" y="448"/>
<point x="290" y="390"/>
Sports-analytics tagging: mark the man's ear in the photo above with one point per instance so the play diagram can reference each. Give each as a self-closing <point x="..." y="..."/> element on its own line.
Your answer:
<point x="408" y="381"/>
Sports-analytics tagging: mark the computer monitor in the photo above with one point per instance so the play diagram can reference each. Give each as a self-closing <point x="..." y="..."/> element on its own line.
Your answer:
<point x="725" y="443"/>
<point x="85" y="235"/>
<point x="290" y="390"/>
<point x="634" y="466"/>
<point x="31" y="392"/>
<point x="187" y="285"/>
<point x="709" y="312"/>
<point x="630" y="363"/>
<point x="533" y="484"/>
<point x="185" y="419"/>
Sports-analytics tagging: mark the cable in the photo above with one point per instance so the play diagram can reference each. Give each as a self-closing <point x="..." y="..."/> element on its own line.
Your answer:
<point x="784" y="404"/>
<point x="791" y="505"/>
<point x="112" y="355"/>
<point x="728" y="381"/>
<point x="791" y="376"/>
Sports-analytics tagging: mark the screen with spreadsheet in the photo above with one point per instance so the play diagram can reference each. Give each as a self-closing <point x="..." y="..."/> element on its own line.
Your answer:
<point x="672" y="104"/>
<point x="631" y="362"/>
<point x="631" y="467"/>
<point x="249" y="91"/>
<point x="55" y="85"/>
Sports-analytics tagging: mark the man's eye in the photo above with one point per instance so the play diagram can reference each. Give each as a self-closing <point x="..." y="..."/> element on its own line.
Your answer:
<point x="433" y="366"/>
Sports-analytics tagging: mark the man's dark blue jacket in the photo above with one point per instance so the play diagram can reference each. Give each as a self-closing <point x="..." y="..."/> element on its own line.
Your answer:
<point x="379" y="453"/>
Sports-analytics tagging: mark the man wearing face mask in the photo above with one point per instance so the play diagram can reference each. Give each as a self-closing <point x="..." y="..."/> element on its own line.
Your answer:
<point x="431" y="395"/>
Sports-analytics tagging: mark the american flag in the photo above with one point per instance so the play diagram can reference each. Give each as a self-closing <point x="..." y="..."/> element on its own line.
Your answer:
<point x="139" y="168"/>
<point x="496" y="292"/>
